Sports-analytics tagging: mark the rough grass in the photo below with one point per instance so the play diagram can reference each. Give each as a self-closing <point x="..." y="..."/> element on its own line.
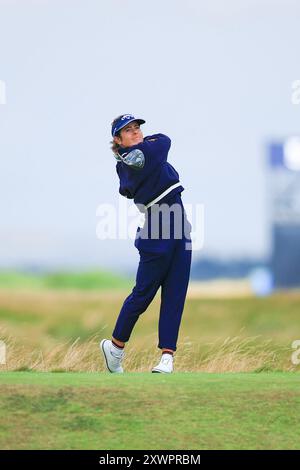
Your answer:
<point x="149" y="411"/>
<point x="57" y="331"/>
<point x="63" y="280"/>
<point x="60" y="330"/>
<point x="231" y="355"/>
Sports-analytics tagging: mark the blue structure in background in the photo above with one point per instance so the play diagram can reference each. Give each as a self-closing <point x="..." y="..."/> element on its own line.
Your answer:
<point x="284" y="167"/>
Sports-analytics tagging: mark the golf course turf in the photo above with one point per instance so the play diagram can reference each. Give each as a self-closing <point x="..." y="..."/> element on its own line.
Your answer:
<point x="149" y="411"/>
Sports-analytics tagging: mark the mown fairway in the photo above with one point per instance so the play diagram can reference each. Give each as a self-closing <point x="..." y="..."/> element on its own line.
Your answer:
<point x="149" y="411"/>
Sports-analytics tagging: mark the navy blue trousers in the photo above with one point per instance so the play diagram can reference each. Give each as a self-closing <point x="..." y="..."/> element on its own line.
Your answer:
<point x="164" y="262"/>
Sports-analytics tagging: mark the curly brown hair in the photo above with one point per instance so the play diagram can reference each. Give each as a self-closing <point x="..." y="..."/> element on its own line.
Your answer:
<point x="113" y="145"/>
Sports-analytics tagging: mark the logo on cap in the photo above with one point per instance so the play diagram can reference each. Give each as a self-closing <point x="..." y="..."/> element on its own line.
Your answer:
<point x="126" y="116"/>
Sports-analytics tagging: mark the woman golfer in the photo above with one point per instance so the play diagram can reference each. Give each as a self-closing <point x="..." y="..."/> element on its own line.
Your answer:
<point x="163" y="242"/>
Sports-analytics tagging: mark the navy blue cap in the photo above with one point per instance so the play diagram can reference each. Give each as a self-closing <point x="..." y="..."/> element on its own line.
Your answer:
<point x="123" y="121"/>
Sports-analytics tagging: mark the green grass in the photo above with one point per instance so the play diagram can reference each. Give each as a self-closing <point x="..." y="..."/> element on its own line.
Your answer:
<point x="59" y="329"/>
<point x="149" y="411"/>
<point x="63" y="280"/>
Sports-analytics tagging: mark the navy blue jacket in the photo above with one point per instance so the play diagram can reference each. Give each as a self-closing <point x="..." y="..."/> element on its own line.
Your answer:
<point x="144" y="171"/>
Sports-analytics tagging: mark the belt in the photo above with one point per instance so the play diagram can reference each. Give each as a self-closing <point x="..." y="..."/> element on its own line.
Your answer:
<point x="158" y="198"/>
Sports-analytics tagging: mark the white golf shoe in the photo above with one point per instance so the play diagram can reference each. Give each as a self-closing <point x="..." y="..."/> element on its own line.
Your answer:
<point x="166" y="364"/>
<point x="113" y="356"/>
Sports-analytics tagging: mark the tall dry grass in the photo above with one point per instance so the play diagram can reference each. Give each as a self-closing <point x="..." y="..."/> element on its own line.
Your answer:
<point x="61" y="330"/>
<point x="235" y="354"/>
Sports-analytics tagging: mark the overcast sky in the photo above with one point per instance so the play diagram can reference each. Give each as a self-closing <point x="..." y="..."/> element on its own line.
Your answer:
<point x="215" y="76"/>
